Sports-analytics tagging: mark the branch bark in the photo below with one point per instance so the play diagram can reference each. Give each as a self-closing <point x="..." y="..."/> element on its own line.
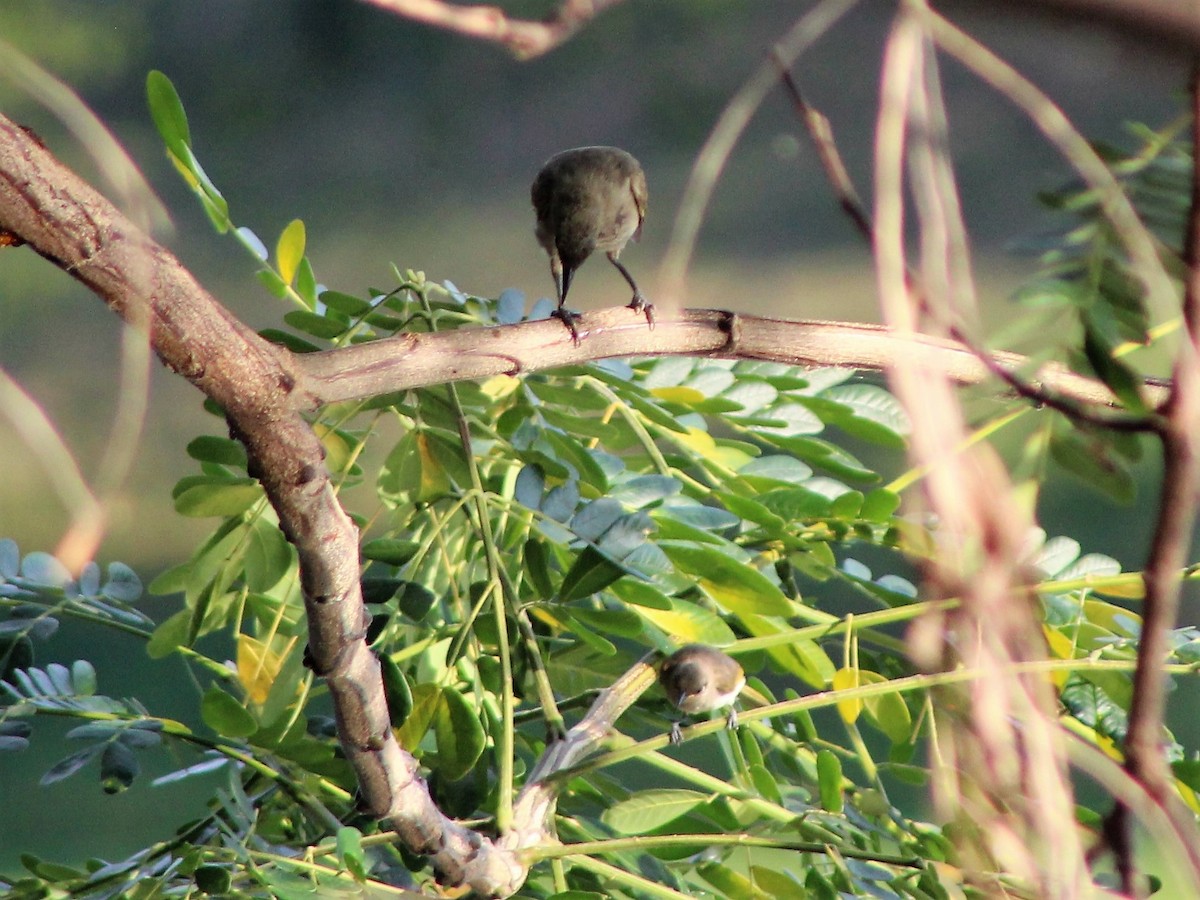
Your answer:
<point x="416" y="360"/>
<point x="1145" y="759"/>
<point x="525" y="38"/>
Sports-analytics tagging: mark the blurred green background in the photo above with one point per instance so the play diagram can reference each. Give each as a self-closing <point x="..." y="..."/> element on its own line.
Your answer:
<point x="398" y="143"/>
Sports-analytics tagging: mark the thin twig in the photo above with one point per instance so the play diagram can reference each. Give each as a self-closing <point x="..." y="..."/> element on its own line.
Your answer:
<point x="525" y="38"/>
<point x="1144" y="757"/>
<point x="711" y="159"/>
<point x="821" y="133"/>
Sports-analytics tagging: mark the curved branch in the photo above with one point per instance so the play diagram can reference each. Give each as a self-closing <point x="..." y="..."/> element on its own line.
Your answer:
<point x="417" y="360"/>
<point x="65" y="220"/>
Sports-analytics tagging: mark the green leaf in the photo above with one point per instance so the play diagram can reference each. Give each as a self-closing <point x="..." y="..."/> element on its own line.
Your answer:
<point x="306" y="283"/>
<point x="289" y="251"/>
<point x="287" y="339"/>
<point x="824" y="455"/>
<point x="314" y="324"/>
<point x="167" y="111"/>
<point x="796" y="504"/>
<point x="390" y="551"/>
<point x="592" y="640"/>
<point x="829" y="779"/>
<point x="223" y="451"/>
<point x="647" y="811"/>
<point x="83" y="678"/>
<point x="537" y="567"/>
<point x="592" y="571"/>
<point x="170" y="635"/>
<point x="879" y="505"/>
<point x="876" y="415"/>
<point x="619" y="622"/>
<point x="685" y="622"/>
<point x="737" y="586"/>
<point x="396" y="690"/>
<point x="213" y="880"/>
<point x="350" y="852"/>
<point x="48" y="871"/>
<point x="460" y="736"/>
<point x="804" y="658"/>
<point x="889" y="713"/>
<point x="426" y="699"/>
<point x="346" y="304"/>
<point x="226" y="715"/>
<point x="730" y="883"/>
<point x="269" y="556"/>
<point x="775" y="469"/>
<point x="776" y="883"/>
<point x="1091" y="458"/>
<point x="764" y="782"/>
<point x="420" y="467"/>
<point x="201" y="497"/>
<point x="69" y="765"/>
<point x="118" y="767"/>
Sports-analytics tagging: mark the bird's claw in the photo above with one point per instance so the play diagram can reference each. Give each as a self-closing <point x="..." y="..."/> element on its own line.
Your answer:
<point x="676" y="733"/>
<point x="568" y="317"/>
<point x="731" y="720"/>
<point x="639" y="304"/>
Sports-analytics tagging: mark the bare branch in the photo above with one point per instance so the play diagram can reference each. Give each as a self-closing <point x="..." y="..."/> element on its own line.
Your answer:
<point x="1002" y="776"/>
<point x="417" y="360"/>
<point x="821" y="134"/>
<point x="525" y="38"/>
<point x="1144" y="757"/>
<point x="69" y="223"/>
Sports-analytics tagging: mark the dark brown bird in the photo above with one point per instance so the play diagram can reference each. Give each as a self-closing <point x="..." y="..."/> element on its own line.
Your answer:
<point x="699" y="678"/>
<point x="589" y="199"/>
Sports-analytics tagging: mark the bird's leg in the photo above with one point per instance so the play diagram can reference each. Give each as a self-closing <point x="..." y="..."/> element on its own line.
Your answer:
<point x="562" y="282"/>
<point x="676" y="733"/>
<point x="731" y="721"/>
<point x="568" y="317"/>
<point x="638" y="303"/>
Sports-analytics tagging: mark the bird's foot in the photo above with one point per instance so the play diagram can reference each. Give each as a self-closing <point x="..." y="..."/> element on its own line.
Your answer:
<point x="639" y="304"/>
<point x="568" y="317"/>
<point x="676" y="733"/>
<point x="731" y="721"/>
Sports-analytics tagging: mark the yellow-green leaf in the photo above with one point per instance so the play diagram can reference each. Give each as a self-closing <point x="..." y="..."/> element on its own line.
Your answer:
<point x="290" y="250"/>
<point x="425" y="700"/>
<point x="688" y="623"/>
<point x="737" y="587"/>
<point x="844" y="680"/>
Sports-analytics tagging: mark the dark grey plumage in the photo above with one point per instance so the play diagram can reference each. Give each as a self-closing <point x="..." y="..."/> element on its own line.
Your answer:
<point x="589" y="199"/>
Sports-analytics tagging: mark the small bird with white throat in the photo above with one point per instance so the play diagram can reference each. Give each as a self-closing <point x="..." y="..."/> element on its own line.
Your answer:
<point x="699" y="678"/>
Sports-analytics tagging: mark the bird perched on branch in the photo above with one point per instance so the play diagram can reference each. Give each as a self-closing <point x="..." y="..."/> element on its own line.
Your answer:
<point x="699" y="678"/>
<point x="589" y="199"/>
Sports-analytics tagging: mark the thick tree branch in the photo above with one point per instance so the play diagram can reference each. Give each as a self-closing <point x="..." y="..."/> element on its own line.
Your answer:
<point x="69" y="223"/>
<point x="416" y="360"/>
